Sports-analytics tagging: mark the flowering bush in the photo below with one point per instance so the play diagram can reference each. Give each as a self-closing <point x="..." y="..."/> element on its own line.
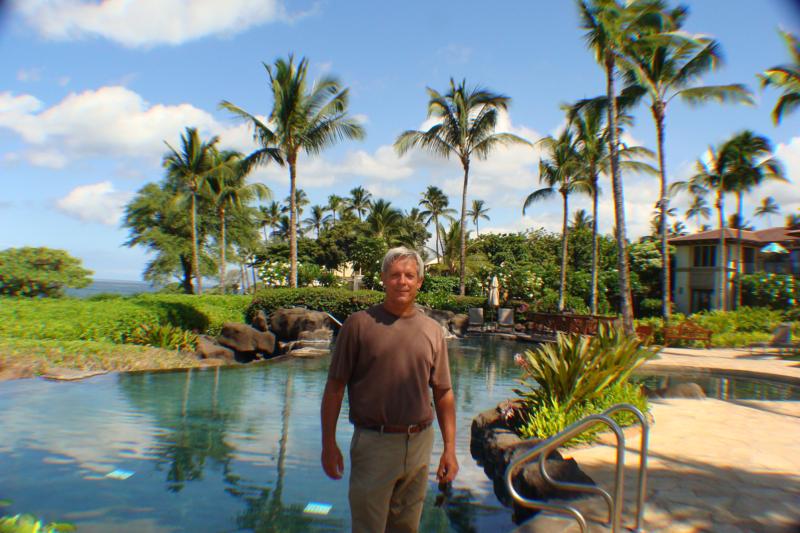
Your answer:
<point x="778" y="291"/>
<point x="517" y="281"/>
<point x="274" y="273"/>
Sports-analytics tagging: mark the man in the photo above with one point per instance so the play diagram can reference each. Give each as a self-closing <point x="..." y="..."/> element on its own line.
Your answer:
<point x="389" y="358"/>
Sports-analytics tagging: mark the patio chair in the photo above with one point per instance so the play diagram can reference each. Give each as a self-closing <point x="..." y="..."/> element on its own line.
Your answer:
<point x="505" y="319"/>
<point x="781" y="340"/>
<point x="475" y="319"/>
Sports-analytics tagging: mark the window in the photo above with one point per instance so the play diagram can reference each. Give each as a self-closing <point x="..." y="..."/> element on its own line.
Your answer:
<point x="701" y="300"/>
<point x="705" y="256"/>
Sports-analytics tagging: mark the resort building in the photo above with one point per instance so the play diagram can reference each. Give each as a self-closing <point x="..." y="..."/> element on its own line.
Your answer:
<point x="697" y="266"/>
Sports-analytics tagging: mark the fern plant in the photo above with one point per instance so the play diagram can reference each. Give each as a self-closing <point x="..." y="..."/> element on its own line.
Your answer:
<point x="168" y="337"/>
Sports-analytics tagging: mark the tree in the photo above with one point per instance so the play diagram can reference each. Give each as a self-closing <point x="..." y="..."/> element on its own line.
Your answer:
<point x="749" y="165"/>
<point x="581" y="220"/>
<point x="359" y="201"/>
<point x="786" y="77"/>
<point x="698" y="209"/>
<point x="669" y="68"/>
<point x="467" y="118"/>
<point x="768" y="207"/>
<point x="610" y="28"/>
<point x="189" y="168"/>
<point x="302" y="119"/>
<point x="317" y="220"/>
<point x="435" y="204"/>
<point x="559" y="173"/>
<point x="478" y="211"/>
<point x="34" y="272"/>
<point x="335" y="205"/>
<point x="384" y="221"/>
<point x="300" y="202"/>
<point x="229" y="190"/>
<point x="270" y="216"/>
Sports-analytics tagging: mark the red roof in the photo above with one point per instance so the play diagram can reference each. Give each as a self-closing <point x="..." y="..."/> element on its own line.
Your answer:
<point x="764" y="236"/>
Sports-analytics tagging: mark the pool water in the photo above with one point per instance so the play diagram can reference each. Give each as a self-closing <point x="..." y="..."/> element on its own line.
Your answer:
<point x="220" y="449"/>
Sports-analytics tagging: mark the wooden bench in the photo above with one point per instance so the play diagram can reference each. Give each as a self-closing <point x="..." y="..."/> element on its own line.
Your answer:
<point x="687" y="331"/>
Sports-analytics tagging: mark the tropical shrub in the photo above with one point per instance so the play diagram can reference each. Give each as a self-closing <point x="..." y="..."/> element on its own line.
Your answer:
<point x="440" y="284"/>
<point x="35" y="272"/>
<point x="574" y="373"/>
<point x="777" y="291"/>
<point x="23" y="523"/>
<point x="168" y="337"/>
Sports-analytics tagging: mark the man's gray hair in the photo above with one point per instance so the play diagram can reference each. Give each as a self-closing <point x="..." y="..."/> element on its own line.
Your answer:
<point x="401" y="252"/>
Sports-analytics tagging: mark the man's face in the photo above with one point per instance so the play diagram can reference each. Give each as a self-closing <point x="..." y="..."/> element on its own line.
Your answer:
<point x="401" y="282"/>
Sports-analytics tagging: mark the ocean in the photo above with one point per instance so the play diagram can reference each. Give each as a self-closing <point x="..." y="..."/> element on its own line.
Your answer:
<point x="110" y="286"/>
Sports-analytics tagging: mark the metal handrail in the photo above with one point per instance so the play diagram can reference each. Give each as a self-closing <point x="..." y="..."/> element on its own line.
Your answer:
<point x="546" y="447"/>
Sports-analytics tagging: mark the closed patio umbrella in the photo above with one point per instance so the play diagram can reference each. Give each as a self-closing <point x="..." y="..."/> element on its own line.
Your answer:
<point x="774" y="248"/>
<point x="494" y="294"/>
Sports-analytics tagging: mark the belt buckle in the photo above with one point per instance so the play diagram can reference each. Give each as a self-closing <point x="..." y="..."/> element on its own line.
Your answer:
<point x="411" y="429"/>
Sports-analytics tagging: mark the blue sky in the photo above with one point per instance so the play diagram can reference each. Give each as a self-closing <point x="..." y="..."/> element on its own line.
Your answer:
<point x="90" y="90"/>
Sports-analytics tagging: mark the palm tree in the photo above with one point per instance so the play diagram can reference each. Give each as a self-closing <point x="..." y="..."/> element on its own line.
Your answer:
<point x="793" y="220"/>
<point x="359" y="201"/>
<point x="611" y="27"/>
<point x="384" y="220"/>
<point x="787" y="77"/>
<point x="435" y="204"/>
<point x="335" y="204"/>
<point x="698" y="209"/>
<point x="750" y="165"/>
<point x="317" y="220"/>
<point x="190" y="167"/>
<point x="467" y="118"/>
<point x="586" y="117"/>
<point x="478" y="211"/>
<point x="560" y="174"/>
<point x="270" y="216"/>
<point x="302" y="119"/>
<point x="666" y="69"/>
<point x="228" y="188"/>
<point x="767" y="208"/>
<point x="581" y="220"/>
<point x="300" y="202"/>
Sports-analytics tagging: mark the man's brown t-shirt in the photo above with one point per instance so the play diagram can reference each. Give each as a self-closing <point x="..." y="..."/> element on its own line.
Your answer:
<point x="390" y="364"/>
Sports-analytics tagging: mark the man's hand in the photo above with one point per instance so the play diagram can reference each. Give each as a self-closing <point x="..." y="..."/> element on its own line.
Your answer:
<point x="448" y="467"/>
<point x="332" y="461"/>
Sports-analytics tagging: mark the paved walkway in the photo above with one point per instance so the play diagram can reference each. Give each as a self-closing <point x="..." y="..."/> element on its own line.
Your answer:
<point x="719" y="466"/>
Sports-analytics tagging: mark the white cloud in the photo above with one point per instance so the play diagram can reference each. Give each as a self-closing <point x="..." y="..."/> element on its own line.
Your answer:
<point x="455" y="53"/>
<point x="98" y="202"/>
<point x="383" y="165"/>
<point x="107" y="122"/>
<point x="149" y="22"/>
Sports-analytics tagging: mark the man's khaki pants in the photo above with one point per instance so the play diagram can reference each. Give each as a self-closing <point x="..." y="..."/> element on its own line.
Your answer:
<point x="388" y="480"/>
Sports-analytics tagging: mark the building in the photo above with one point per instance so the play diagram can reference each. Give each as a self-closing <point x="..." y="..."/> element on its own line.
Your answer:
<point x="697" y="268"/>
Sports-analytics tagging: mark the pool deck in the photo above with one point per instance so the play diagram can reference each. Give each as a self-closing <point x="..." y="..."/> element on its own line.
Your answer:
<point x="721" y="466"/>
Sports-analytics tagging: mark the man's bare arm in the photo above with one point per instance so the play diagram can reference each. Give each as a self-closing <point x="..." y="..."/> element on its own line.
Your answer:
<point x="332" y="461"/>
<point x="445" y="403"/>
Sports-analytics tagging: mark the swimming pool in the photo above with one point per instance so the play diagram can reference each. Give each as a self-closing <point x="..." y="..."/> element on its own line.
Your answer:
<point x="222" y="449"/>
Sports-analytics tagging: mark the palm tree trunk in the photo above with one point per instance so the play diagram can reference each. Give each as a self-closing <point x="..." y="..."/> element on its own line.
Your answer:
<point x="264" y="229"/>
<point x="186" y="266"/>
<point x="292" y="221"/>
<point x="477" y="229"/>
<point x="463" y="266"/>
<point x="195" y="261"/>
<point x="593" y="292"/>
<point x="737" y="282"/>
<point x="222" y="249"/>
<point x="436" y="228"/>
<point x="244" y="278"/>
<point x="723" y="282"/>
<point x="658" y="117"/>
<point x="625" y="304"/>
<point x="562" y="290"/>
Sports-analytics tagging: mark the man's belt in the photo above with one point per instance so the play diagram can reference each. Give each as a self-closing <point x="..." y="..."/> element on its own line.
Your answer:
<point x="387" y="428"/>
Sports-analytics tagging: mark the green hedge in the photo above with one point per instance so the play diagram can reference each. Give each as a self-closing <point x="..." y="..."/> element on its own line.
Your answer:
<point x="114" y="319"/>
<point x="341" y="303"/>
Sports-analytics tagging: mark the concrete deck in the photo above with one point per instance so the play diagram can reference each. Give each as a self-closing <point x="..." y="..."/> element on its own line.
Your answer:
<point x="720" y="466"/>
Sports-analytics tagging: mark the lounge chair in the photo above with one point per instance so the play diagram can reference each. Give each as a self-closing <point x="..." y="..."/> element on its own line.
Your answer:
<point x="475" y="319"/>
<point x="781" y="340"/>
<point x="505" y="318"/>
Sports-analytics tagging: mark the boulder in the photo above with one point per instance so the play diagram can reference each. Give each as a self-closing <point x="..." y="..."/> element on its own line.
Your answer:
<point x="494" y="446"/>
<point x="459" y="324"/>
<point x="260" y="321"/>
<point x="247" y="342"/>
<point x="287" y="324"/>
<point x="316" y="335"/>
<point x="209" y="348"/>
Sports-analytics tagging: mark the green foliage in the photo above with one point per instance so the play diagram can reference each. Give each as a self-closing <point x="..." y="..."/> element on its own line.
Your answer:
<point x="576" y="369"/>
<point x="440" y="284"/>
<point x="341" y="303"/>
<point x="551" y="417"/>
<point x="23" y="523"/>
<point x="650" y="307"/>
<point x="34" y="272"/>
<point x="116" y="320"/>
<point x="778" y="291"/>
<point x="167" y="337"/>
